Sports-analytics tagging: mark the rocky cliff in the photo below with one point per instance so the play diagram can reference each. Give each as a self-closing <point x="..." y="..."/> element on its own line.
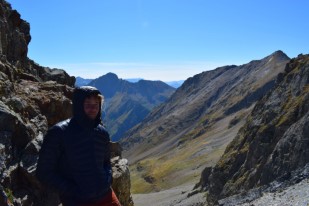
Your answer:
<point x="272" y="144"/>
<point x="14" y="40"/>
<point x="197" y="123"/>
<point x="32" y="98"/>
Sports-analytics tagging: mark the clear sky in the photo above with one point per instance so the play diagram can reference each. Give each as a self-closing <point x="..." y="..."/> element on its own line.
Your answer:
<point x="161" y="39"/>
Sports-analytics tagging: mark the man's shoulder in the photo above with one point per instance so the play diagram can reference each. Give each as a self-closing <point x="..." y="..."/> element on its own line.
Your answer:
<point x="56" y="132"/>
<point x="101" y="127"/>
<point x="102" y="130"/>
<point x="61" y="126"/>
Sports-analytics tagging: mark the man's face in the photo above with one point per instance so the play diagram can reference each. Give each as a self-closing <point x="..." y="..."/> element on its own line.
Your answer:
<point x="92" y="107"/>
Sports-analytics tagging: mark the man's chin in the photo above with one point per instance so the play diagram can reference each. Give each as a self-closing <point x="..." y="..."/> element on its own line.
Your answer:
<point x="92" y="117"/>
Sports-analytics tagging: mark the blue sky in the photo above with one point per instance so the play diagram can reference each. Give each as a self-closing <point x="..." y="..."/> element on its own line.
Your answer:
<point x="161" y="39"/>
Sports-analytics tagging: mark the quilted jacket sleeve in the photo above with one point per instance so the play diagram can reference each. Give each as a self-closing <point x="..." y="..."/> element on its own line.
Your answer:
<point x="48" y="162"/>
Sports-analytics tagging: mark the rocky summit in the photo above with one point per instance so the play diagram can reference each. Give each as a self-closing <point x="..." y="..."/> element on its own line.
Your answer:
<point x="33" y="98"/>
<point x="273" y="143"/>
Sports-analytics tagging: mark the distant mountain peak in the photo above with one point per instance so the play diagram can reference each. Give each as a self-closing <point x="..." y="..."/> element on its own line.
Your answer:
<point x="274" y="57"/>
<point x="127" y="103"/>
<point x="111" y="75"/>
<point x="280" y="54"/>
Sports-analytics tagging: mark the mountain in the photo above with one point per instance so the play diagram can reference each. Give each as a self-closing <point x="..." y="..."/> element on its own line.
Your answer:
<point x="126" y="103"/>
<point x="271" y="149"/>
<point x="82" y="82"/>
<point x="178" y="138"/>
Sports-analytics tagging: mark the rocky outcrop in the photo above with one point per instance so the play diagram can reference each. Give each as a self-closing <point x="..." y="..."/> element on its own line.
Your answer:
<point x="274" y="141"/>
<point x="121" y="176"/>
<point x="27" y="109"/>
<point x="204" y="181"/>
<point x="47" y="74"/>
<point x="14" y="40"/>
<point x="14" y="33"/>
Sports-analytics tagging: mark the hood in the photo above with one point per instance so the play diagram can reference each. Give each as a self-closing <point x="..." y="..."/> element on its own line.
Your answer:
<point x="79" y="95"/>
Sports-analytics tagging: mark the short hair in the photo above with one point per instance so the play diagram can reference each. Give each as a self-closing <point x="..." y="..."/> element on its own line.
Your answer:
<point x="99" y="96"/>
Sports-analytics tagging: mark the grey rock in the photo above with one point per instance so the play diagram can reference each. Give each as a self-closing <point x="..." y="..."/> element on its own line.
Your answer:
<point x="12" y="122"/>
<point x="121" y="180"/>
<point x="274" y="141"/>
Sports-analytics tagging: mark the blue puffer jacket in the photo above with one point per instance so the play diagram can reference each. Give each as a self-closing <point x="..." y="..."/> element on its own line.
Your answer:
<point x="75" y="156"/>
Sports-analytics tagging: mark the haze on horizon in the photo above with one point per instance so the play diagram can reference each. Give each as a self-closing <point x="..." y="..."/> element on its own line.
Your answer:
<point x="160" y="40"/>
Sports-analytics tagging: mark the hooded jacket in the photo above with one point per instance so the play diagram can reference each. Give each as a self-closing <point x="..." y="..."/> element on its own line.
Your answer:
<point x="75" y="155"/>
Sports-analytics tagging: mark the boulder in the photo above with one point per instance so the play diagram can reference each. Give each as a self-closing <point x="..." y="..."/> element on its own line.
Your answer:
<point x="121" y="176"/>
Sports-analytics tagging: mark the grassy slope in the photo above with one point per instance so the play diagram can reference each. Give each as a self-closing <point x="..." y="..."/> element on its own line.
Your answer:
<point x="184" y="163"/>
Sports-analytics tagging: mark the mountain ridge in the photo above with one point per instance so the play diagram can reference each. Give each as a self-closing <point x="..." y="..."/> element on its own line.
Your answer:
<point x="192" y="115"/>
<point x="80" y="81"/>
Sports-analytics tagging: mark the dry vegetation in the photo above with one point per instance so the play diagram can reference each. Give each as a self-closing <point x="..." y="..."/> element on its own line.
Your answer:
<point x="184" y="163"/>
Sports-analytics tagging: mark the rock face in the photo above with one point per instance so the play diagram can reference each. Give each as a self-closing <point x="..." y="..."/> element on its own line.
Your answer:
<point x="27" y="109"/>
<point x="32" y="98"/>
<point x="274" y="140"/>
<point x="14" y="40"/>
<point x="15" y="34"/>
<point x="121" y="176"/>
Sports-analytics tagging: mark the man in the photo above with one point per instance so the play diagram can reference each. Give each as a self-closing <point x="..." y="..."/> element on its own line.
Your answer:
<point x="75" y="156"/>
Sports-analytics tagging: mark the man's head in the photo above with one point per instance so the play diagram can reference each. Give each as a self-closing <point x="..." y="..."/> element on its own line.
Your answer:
<point x="87" y="102"/>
